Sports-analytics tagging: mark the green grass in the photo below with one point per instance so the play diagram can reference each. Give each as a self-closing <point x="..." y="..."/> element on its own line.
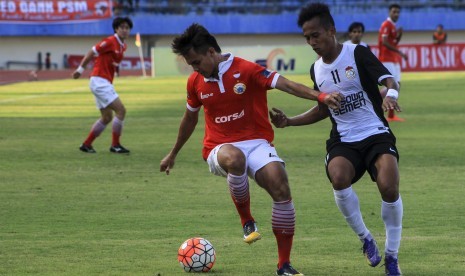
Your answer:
<point x="63" y="212"/>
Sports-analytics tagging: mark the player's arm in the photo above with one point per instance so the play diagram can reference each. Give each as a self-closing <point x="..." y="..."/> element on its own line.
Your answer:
<point x="390" y="101"/>
<point x="332" y="100"/>
<point x="392" y="47"/>
<point x="400" y="31"/>
<point x="82" y="66"/>
<point x="186" y="128"/>
<point x="315" y="114"/>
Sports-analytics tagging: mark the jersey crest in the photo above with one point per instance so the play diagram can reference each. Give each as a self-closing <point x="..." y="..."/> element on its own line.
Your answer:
<point x="350" y="72"/>
<point x="239" y="88"/>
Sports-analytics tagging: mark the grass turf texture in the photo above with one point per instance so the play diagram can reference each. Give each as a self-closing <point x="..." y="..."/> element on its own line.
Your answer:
<point x="64" y="212"/>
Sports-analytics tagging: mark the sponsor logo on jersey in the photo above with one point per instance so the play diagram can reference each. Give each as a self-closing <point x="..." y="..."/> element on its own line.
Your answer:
<point x="321" y="83"/>
<point x="351" y="102"/>
<point x="239" y="88"/>
<point x="205" y="96"/>
<point x="229" y="118"/>
<point x="237" y="74"/>
<point x="350" y="72"/>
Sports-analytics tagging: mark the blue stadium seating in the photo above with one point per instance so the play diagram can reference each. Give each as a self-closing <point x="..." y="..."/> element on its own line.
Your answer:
<point x="167" y="17"/>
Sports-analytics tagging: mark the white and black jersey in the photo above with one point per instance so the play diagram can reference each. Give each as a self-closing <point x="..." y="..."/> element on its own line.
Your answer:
<point x="355" y="73"/>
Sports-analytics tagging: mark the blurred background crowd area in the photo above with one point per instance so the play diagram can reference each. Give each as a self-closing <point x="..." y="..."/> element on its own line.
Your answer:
<point x="199" y="7"/>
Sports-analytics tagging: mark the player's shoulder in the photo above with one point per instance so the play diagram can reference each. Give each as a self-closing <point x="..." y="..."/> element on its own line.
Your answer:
<point x="386" y="24"/>
<point x="110" y="38"/>
<point x="242" y="62"/>
<point x="195" y="77"/>
<point x="194" y="80"/>
<point x="350" y="46"/>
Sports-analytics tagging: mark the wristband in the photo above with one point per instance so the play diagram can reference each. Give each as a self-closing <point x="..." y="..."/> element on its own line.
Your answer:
<point x="80" y="69"/>
<point x="321" y="97"/>
<point x="392" y="93"/>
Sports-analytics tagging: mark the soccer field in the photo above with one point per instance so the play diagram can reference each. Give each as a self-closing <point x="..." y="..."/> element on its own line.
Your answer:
<point x="64" y="212"/>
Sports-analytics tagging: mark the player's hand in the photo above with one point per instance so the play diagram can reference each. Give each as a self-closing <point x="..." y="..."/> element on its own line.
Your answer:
<point x="333" y="100"/>
<point x="167" y="163"/>
<point x="278" y="118"/>
<point x="390" y="103"/>
<point x="76" y="75"/>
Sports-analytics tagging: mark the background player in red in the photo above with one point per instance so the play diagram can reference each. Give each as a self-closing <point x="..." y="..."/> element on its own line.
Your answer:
<point x="108" y="54"/>
<point x="389" y="54"/>
<point x="238" y="133"/>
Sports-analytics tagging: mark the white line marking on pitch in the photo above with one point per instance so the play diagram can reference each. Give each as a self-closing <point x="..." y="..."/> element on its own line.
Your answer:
<point x="41" y="95"/>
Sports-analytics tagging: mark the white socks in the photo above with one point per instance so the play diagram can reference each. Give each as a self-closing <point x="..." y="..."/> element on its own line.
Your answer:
<point x="348" y="204"/>
<point x="392" y="213"/>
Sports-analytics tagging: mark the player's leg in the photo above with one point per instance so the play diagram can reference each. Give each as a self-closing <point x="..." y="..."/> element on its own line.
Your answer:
<point x="117" y="126"/>
<point x="273" y="178"/>
<point x="229" y="161"/>
<point x="97" y="128"/>
<point x="269" y="173"/>
<point x="391" y="208"/>
<point x="104" y="95"/>
<point x="343" y="167"/>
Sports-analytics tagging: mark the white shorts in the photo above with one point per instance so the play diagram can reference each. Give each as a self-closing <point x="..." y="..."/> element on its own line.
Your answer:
<point x="103" y="91"/>
<point x="394" y="69"/>
<point x="258" y="153"/>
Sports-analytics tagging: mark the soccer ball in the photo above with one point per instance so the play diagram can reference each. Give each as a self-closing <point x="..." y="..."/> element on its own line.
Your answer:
<point x="196" y="255"/>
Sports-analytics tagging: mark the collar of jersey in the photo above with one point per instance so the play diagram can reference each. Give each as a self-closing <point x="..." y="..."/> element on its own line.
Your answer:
<point x="222" y="67"/>
<point x="119" y="40"/>
<point x="389" y="19"/>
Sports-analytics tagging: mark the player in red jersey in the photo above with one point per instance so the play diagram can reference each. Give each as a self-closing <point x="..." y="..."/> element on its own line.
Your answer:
<point x="389" y="54"/>
<point x="238" y="133"/>
<point x="108" y="54"/>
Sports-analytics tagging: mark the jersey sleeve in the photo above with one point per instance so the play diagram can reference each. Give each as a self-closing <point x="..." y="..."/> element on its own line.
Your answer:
<point x="374" y="68"/>
<point x="264" y="77"/>
<point x="312" y="76"/>
<point x="193" y="103"/>
<point x="103" y="46"/>
<point x="385" y="29"/>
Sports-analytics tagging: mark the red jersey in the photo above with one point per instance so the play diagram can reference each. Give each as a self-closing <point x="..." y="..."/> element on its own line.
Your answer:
<point x="236" y="106"/>
<point x="109" y="54"/>
<point x="388" y="29"/>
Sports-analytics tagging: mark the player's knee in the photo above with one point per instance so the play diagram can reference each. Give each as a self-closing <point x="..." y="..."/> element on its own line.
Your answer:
<point x="340" y="181"/>
<point x="106" y="118"/>
<point x="232" y="159"/>
<point x="389" y="193"/>
<point x="280" y="191"/>
<point x="121" y="112"/>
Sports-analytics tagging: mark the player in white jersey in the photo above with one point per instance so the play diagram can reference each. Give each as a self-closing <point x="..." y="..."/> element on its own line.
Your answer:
<point x="355" y="33"/>
<point x="360" y="139"/>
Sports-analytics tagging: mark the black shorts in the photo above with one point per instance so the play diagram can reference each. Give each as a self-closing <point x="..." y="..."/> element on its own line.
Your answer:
<point x="363" y="154"/>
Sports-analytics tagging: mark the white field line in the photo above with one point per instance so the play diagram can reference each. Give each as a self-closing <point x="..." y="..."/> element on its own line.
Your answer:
<point x="20" y="99"/>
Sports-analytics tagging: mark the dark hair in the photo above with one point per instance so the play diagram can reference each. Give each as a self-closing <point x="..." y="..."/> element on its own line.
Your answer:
<point x="355" y="25"/>
<point x="319" y="10"/>
<point x="195" y="37"/>
<point x="392" y="6"/>
<point x="120" y="20"/>
<point x="440" y="25"/>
